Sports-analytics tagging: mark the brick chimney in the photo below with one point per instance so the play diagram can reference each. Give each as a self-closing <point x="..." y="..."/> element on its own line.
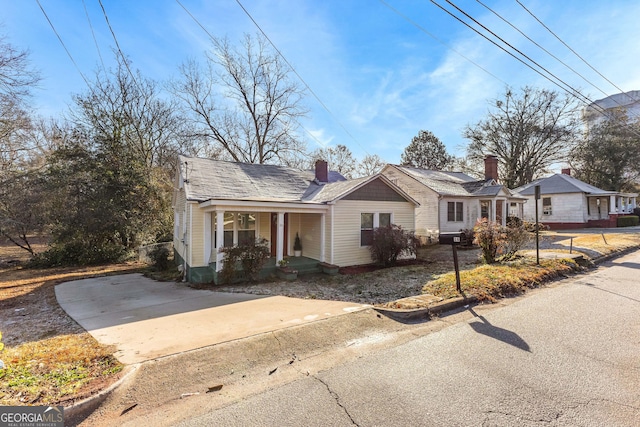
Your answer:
<point x="491" y="167"/>
<point x="566" y="171"/>
<point x="322" y="171"/>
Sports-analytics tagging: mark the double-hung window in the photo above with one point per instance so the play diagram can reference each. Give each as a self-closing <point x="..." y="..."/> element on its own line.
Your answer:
<point x="239" y="228"/>
<point x="454" y="211"/>
<point x="546" y="206"/>
<point x="368" y="222"/>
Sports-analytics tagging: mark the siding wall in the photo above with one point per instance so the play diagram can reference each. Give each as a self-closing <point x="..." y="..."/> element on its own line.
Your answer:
<point x="566" y="208"/>
<point x="180" y="217"/>
<point x="346" y="247"/>
<point x="310" y="225"/>
<point x="264" y="226"/>
<point x="470" y="214"/>
<point x="426" y="221"/>
<point x="196" y="237"/>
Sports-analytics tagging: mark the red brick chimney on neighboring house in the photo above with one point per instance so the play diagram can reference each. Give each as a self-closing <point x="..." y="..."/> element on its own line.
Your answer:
<point x="491" y="167"/>
<point x="322" y="171"/>
<point x="566" y="171"/>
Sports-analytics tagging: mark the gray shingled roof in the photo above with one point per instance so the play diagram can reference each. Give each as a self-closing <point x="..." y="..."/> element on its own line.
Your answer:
<point x="560" y="183"/>
<point x="217" y="179"/>
<point x="452" y="183"/>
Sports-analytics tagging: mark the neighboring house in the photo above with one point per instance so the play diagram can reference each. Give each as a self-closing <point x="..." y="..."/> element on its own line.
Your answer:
<point x="219" y="203"/>
<point x="454" y="201"/>
<point x="627" y="102"/>
<point x="566" y="202"/>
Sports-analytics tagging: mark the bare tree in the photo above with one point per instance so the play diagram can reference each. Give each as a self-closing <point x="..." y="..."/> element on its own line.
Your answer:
<point x="243" y="102"/>
<point x="17" y="77"/>
<point x="528" y="131"/>
<point x="371" y="164"/>
<point x="18" y="148"/>
<point x="426" y="151"/>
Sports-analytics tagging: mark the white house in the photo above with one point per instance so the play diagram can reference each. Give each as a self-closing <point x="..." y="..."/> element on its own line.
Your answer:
<point x="454" y="201"/>
<point x="218" y="203"/>
<point x="566" y="203"/>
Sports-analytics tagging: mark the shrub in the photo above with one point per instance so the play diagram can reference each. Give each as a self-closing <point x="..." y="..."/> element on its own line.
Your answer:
<point x="490" y="236"/>
<point x="390" y="242"/>
<point x="516" y="237"/>
<point x="627" y="221"/>
<point x="513" y="221"/>
<point x="531" y="226"/>
<point x="79" y="252"/>
<point x="160" y="257"/>
<point x="250" y="257"/>
<point x="467" y="237"/>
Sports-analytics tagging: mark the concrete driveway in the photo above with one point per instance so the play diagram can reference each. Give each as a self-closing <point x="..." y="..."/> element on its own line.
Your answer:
<point x="146" y="319"/>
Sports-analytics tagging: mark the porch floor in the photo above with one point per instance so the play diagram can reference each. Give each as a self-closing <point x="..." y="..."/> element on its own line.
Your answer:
<point x="303" y="264"/>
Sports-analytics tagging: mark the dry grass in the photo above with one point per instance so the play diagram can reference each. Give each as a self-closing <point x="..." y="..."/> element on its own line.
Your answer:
<point x="49" y="358"/>
<point x="604" y="244"/>
<point x="490" y="282"/>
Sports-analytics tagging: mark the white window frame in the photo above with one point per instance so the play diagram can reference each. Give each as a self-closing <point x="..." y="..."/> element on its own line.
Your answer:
<point x="376" y="223"/>
<point x="236" y="229"/>
<point x="547" y="210"/>
<point x="455" y="211"/>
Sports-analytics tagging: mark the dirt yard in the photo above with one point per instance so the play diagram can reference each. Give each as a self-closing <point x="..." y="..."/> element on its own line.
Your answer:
<point x="361" y="285"/>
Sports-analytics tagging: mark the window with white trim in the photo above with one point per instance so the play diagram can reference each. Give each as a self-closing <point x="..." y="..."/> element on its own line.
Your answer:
<point x="454" y="211"/>
<point x="546" y="206"/>
<point x="370" y="221"/>
<point x="366" y="229"/>
<point x="239" y="228"/>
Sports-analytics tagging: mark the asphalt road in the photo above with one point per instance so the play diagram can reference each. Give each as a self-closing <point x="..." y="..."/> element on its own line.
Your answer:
<point x="567" y="355"/>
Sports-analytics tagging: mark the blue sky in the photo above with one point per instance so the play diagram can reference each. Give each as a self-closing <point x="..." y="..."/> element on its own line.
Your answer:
<point x="382" y="78"/>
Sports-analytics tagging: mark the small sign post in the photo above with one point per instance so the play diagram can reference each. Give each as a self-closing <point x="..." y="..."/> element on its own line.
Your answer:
<point x="455" y="263"/>
<point x="454" y="239"/>
<point x="537" y="197"/>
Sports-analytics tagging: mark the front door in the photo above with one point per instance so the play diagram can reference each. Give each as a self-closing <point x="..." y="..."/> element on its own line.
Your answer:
<point x="274" y="233"/>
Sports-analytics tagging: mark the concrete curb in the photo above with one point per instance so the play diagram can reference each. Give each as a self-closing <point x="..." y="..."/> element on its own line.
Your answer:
<point x="615" y="254"/>
<point x="413" y="315"/>
<point x="422" y="314"/>
<point x="75" y="413"/>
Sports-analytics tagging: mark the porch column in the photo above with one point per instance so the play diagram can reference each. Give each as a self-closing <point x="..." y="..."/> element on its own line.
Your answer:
<point x="492" y="216"/>
<point x="633" y="203"/>
<point x="322" y="237"/>
<point x="207" y="236"/>
<point x="280" y="238"/>
<point x="505" y="212"/>
<point x="219" y="238"/>
<point x="612" y="204"/>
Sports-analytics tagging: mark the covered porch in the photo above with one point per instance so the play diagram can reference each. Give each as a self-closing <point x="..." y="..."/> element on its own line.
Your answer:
<point x="278" y="224"/>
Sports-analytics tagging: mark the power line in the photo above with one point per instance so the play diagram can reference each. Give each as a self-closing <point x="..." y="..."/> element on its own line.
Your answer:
<point x="62" y="43"/>
<point x="573" y="92"/>
<point x="214" y="39"/>
<point x="93" y="34"/>
<point x="300" y="77"/>
<point x="574" y="52"/>
<point x="541" y="47"/>
<point x="421" y="28"/>
<point x="547" y="52"/>
<point x="124" y="59"/>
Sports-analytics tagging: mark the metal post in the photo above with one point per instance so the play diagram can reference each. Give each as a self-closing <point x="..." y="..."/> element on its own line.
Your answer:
<point x="455" y="263"/>
<point x="537" y="197"/>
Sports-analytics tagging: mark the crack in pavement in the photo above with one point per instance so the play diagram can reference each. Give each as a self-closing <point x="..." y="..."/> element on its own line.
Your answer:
<point x="337" y="399"/>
